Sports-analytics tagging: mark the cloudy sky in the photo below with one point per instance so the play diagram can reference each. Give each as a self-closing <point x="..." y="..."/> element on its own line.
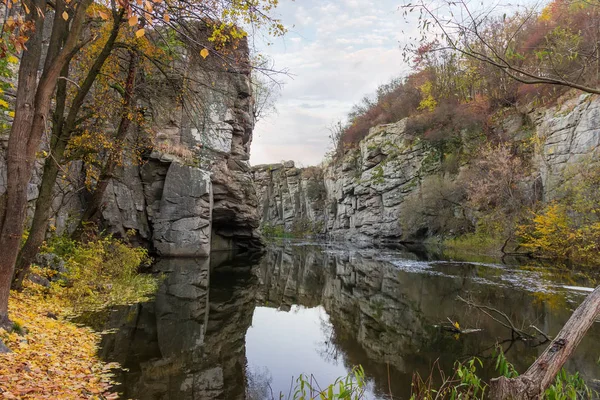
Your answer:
<point x="338" y="51"/>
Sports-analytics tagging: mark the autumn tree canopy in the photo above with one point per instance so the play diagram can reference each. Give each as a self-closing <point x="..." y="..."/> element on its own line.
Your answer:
<point x="477" y="58"/>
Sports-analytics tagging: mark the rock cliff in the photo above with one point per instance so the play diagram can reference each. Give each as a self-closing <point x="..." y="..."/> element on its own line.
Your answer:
<point x="290" y="197"/>
<point x="363" y="193"/>
<point x="194" y="191"/>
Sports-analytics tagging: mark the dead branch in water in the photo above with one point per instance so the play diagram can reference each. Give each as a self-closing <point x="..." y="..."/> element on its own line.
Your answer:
<point x="454" y="327"/>
<point x="504" y="320"/>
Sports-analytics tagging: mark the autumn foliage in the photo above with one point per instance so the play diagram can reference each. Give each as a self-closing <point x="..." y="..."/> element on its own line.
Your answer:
<point x="559" y="41"/>
<point x="51" y="358"/>
<point x="569" y="227"/>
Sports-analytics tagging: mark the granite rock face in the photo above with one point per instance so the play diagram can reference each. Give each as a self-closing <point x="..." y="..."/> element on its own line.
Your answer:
<point x="194" y="192"/>
<point x="567" y="134"/>
<point x="206" y="201"/>
<point x="289" y="197"/>
<point x="360" y="195"/>
<point x="366" y="189"/>
<point x="183" y="225"/>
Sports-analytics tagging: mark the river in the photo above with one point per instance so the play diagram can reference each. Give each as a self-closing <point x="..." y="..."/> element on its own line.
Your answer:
<point x="243" y="327"/>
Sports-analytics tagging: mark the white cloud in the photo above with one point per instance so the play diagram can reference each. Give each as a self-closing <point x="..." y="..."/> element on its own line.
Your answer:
<point x="338" y="51"/>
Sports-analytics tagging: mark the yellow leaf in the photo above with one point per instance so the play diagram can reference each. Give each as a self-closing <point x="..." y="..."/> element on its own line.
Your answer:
<point x="3" y="103"/>
<point x="103" y="15"/>
<point x="26" y="8"/>
<point x="167" y="18"/>
<point x="140" y="32"/>
<point x="456" y="325"/>
<point x="204" y="53"/>
<point x="133" y="20"/>
<point x="12" y="59"/>
<point x="65" y="15"/>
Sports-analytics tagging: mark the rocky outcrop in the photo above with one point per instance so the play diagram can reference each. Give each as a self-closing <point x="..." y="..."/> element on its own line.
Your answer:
<point x="291" y="198"/>
<point x="361" y="194"/>
<point x="366" y="189"/>
<point x="204" y="199"/>
<point x="566" y="134"/>
<point x="183" y="224"/>
<point x="193" y="192"/>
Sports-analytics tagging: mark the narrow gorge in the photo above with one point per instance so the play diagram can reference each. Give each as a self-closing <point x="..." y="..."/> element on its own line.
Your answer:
<point x="436" y="235"/>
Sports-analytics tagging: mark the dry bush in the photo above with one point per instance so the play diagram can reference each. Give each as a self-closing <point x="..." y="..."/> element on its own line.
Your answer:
<point x="436" y="208"/>
<point x="393" y="101"/>
<point x="448" y="121"/>
<point x="495" y="180"/>
<point x="498" y="191"/>
<point x="178" y="150"/>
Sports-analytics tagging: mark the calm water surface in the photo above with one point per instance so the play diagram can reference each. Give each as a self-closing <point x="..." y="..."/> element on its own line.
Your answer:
<point x="244" y="327"/>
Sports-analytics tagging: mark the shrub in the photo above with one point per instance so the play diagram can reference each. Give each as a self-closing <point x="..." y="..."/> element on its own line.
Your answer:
<point x="178" y="150"/>
<point x="393" y="101"/>
<point x="497" y="196"/>
<point x="494" y="180"/>
<point x="350" y="387"/>
<point x="100" y="273"/>
<point x="273" y="231"/>
<point x="436" y="208"/>
<point x="464" y="383"/>
<point x="444" y="126"/>
<point x="568" y="227"/>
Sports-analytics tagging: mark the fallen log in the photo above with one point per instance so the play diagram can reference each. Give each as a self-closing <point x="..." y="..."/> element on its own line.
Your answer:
<point x="540" y="375"/>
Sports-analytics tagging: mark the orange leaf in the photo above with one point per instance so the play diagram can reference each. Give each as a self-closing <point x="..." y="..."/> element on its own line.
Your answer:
<point x="133" y="20"/>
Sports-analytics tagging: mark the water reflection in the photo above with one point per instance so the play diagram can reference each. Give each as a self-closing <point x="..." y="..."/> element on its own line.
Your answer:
<point x="242" y="327"/>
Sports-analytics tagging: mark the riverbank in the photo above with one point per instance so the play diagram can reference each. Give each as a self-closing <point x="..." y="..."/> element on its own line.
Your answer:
<point x="45" y="353"/>
<point x="50" y="357"/>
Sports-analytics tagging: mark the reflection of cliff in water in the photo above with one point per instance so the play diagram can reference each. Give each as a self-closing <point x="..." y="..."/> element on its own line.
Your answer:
<point x="382" y="314"/>
<point x="190" y="342"/>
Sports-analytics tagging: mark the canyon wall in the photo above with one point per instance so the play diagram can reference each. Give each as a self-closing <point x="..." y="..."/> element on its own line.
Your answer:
<point x="193" y="192"/>
<point x="364" y="192"/>
<point x="188" y="206"/>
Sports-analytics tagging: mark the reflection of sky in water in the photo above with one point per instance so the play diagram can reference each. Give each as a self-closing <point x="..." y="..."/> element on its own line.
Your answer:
<point x="283" y="345"/>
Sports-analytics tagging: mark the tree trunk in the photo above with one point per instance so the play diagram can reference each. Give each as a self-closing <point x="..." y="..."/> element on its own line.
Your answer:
<point x="41" y="217"/>
<point x="19" y="168"/>
<point x="62" y="130"/>
<point x="533" y="383"/>
<point x="94" y="208"/>
<point x="32" y="107"/>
